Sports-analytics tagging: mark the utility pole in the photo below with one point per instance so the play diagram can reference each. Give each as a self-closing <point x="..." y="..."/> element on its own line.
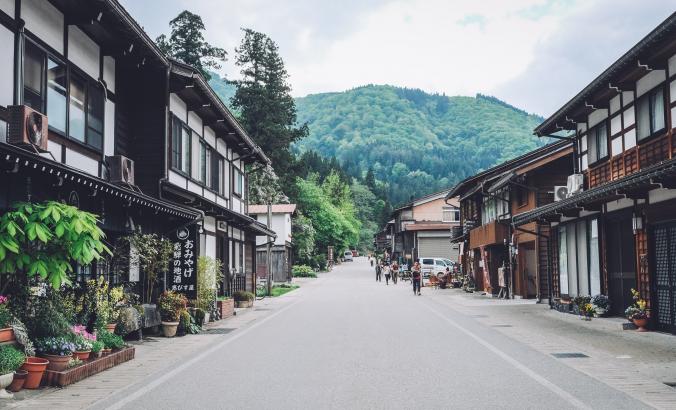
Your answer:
<point x="269" y="249"/>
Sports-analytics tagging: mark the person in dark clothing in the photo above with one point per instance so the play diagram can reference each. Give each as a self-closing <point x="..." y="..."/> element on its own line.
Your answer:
<point x="379" y="271"/>
<point x="417" y="277"/>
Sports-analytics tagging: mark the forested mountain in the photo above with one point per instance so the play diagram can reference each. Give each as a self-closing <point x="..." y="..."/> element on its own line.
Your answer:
<point x="415" y="142"/>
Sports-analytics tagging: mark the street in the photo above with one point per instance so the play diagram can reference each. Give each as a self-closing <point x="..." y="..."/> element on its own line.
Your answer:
<point x="349" y="342"/>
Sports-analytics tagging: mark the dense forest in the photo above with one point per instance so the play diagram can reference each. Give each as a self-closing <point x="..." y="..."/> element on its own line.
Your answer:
<point x="415" y="142"/>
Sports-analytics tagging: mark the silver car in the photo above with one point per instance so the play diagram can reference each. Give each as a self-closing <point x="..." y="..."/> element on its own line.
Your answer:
<point x="347" y="256"/>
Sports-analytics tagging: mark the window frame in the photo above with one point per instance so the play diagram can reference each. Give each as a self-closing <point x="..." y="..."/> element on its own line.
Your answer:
<point x="564" y="232"/>
<point x="178" y="126"/>
<point x="238" y="176"/>
<point x="665" y="104"/>
<point x="593" y="135"/>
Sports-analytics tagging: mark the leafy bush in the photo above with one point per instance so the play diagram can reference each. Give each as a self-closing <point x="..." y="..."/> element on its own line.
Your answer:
<point x="243" y="296"/>
<point x="110" y="340"/>
<point x="303" y="271"/>
<point x="97" y="346"/>
<point x="209" y="274"/>
<point x="21" y="335"/>
<point x="171" y="304"/>
<point x="11" y="359"/>
<point x="57" y="346"/>
<point x="82" y="344"/>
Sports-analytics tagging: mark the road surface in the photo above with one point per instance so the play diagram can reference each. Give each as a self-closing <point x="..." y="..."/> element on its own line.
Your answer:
<point x="347" y="342"/>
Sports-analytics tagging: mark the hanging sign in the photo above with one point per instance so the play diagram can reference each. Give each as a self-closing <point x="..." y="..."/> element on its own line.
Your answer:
<point x="183" y="267"/>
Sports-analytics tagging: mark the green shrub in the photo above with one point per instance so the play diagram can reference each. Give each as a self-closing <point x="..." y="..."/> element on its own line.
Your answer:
<point x="11" y="359"/>
<point x="242" y="296"/>
<point x="171" y="304"/>
<point x="110" y="340"/>
<point x="97" y="346"/>
<point x="303" y="271"/>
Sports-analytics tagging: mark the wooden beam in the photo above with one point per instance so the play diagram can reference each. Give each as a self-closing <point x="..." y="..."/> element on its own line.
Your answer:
<point x="552" y="218"/>
<point x="572" y="213"/>
<point x="593" y="207"/>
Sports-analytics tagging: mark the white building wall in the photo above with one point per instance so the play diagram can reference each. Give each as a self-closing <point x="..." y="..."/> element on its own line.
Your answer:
<point x="109" y="72"/>
<point x="178" y="107"/>
<point x="83" y="52"/>
<point x="649" y="81"/>
<point x="109" y="129"/>
<point x="45" y="21"/>
<point x="8" y="7"/>
<point x="7" y="69"/>
<point x="82" y="162"/>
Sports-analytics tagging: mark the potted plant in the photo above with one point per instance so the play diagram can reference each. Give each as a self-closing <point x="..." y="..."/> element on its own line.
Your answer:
<point x="580" y="305"/>
<point x="97" y="347"/>
<point x="35" y="366"/>
<point x="243" y="299"/>
<point x="638" y="312"/>
<point x="83" y="348"/>
<point x="110" y="341"/>
<point x="58" y="350"/>
<point x="587" y="311"/>
<point x="601" y="304"/>
<point x="6" y="331"/>
<point x="171" y="304"/>
<point x="11" y="359"/>
<point x="18" y="381"/>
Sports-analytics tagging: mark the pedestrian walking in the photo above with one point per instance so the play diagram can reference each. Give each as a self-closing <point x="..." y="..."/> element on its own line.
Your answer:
<point x="395" y="272"/>
<point x="417" y="277"/>
<point x="387" y="272"/>
<point x="379" y="271"/>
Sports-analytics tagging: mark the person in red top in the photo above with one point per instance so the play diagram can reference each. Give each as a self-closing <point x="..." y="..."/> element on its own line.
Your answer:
<point x="417" y="277"/>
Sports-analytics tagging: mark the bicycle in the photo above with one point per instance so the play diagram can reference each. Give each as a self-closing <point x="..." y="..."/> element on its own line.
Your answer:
<point x="261" y="289"/>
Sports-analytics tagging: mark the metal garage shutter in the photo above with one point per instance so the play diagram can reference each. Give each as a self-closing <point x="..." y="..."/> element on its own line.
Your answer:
<point x="434" y="248"/>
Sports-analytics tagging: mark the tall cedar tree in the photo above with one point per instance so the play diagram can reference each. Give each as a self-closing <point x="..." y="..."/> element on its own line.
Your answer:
<point x="267" y="110"/>
<point x="186" y="43"/>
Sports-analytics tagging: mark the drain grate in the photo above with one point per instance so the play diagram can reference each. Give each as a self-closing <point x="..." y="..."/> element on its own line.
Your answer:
<point x="262" y="309"/>
<point x="217" y="331"/>
<point x="575" y="355"/>
<point x="501" y="326"/>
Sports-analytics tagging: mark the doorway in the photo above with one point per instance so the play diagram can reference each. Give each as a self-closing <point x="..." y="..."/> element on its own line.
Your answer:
<point x="621" y="264"/>
<point x="665" y="276"/>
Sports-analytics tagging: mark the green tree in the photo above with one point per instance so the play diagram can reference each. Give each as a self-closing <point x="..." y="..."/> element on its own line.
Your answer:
<point x="186" y="43"/>
<point x="370" y="179"/>
<point x="267" y="110"/>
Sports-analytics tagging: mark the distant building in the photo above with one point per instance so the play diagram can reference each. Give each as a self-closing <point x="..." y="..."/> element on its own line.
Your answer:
<point x="282" y="249"/>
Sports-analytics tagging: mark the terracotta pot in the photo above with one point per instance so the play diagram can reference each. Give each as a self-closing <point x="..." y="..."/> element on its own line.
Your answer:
<point x="106" y="352"/>
<point x="169" y="328"/>
<point x="58" y="363"/>
<point x="82" y="355"/>
<point x="111" y="327"/>
<point x="18" y="381"/>
<point x="7" y="334"/>
<point x="35" y="366"/>
<point x="640" y="324"/>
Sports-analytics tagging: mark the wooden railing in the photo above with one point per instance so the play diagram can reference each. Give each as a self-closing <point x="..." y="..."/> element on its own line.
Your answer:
<point x="491" y="233"/>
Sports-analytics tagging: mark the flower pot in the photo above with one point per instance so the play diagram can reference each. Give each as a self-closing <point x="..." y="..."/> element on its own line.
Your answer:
<point x="640" y="324"/>
<point x="106" y="352"/>
<point x="111" y="327"/>
<point x="207" y="317"/>
<point x="82" y="355"/>
<point x="35" y="366"/>
<point x="5" y="381"/>
<point x="58" y="363"/>
<point x="18" y="381"/>
<point x="7" y="334"/>
<point x="243" y="303"/>
<point x="169" y="328"/>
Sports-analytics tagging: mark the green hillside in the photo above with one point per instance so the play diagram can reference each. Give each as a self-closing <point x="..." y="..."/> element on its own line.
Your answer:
<point x="415" y="142"/>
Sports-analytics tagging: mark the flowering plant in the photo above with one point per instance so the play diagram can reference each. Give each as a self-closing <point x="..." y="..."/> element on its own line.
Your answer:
<point x="588" y="310"/>
<point x="639" y="309"/>
<point x="57" y="346"/>
<point x="80" y="330"/>
<point x="82" y="344"/>
<point x="5" y="315"/>
<point x="3" y="300"/>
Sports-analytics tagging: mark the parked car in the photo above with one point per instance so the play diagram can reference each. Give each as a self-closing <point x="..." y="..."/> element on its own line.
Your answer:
<point x="433" y="266"/>
<point x="347" y="256"/>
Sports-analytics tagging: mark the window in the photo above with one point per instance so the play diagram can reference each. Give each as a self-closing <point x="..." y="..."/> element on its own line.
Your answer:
<point x="239" y="182"/>
<point x="650" y="114"/>
<point x="180" y="146"/>
<point x="95" y="107"/>
<point x="57" y="105"/>
<point x="450" y="214"/>
<point x="203" y="162"/>
<point x="579" y="259"/>
<point x="598" y="142"/>
<point x="76" y="120"/>
<point x="521" y="196"/>
<point x="186" y="150"/>
<point x="216" y="167"/>
<point x="33" y="70"/>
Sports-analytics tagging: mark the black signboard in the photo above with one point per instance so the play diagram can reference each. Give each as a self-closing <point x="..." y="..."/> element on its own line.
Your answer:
<point x="182" y="275"/>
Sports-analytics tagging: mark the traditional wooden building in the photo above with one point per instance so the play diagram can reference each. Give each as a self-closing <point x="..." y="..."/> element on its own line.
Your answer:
<point x="496" y="255"/>
<point x="92" y="113"/>
<point x="281" y="223"/>
<point x="422" y="228"/>
<point x="614" y="231"/>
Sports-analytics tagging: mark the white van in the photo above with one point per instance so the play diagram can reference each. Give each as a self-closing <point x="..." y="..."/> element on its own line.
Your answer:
<point x="347" y="256"/>
<point x="433" y="266"/>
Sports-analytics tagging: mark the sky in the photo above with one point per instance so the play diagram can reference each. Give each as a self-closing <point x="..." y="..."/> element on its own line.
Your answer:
<point x="534" y="54"/>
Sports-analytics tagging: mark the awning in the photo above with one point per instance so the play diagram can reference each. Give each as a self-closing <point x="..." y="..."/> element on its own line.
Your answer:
<point x="637" y="183"/>
<point x="260" y="228"/>
<point x="21" y="157"/>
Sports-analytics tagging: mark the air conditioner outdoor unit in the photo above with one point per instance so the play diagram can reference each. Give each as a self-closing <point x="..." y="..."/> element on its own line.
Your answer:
<point x="121" y="169"/>
<point x="27" y="127"/>
<point x="575" y="184"/>
<point x="560" y="192"/>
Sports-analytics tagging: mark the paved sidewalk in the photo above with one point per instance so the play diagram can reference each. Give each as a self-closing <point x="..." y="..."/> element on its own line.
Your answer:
<point x="642" y="365"/>
<point x="155" y="355"/>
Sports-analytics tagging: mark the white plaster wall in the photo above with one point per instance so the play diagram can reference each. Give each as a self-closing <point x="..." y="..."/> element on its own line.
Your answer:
<point x="81" y="162"/>
<point x="210" y="137"/>
<point x="209" y="223"/>
<point x="177" y="106"/>
<point x="83" y="51"/>
<point x="221" y="148"/>
<point x="55" y="149"/>
<point x="45" y="21"/>
<point x="619" y="204"/>
<point x="615" y="104"/>
<point x="7" y="69"/>
<point x="649" y="81"/>
<point x="210" y="246"/>
<point x="8" y="7"/>
<point x="236" y="204"/>
<point x="195" y="122"/>
<point x="177" y="179"/>
<point x="627" y="97"/>
<point x="672" y="65"/>
<point x="659" y="195"/>
<point x="193" y="187"/>
<point x="109" y="72"/>
<point x="597" y="116"/>
<point x="109" y="129"/>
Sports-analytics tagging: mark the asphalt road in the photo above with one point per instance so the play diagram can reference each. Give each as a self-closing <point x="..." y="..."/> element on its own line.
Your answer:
<point x="347" y="342"/>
